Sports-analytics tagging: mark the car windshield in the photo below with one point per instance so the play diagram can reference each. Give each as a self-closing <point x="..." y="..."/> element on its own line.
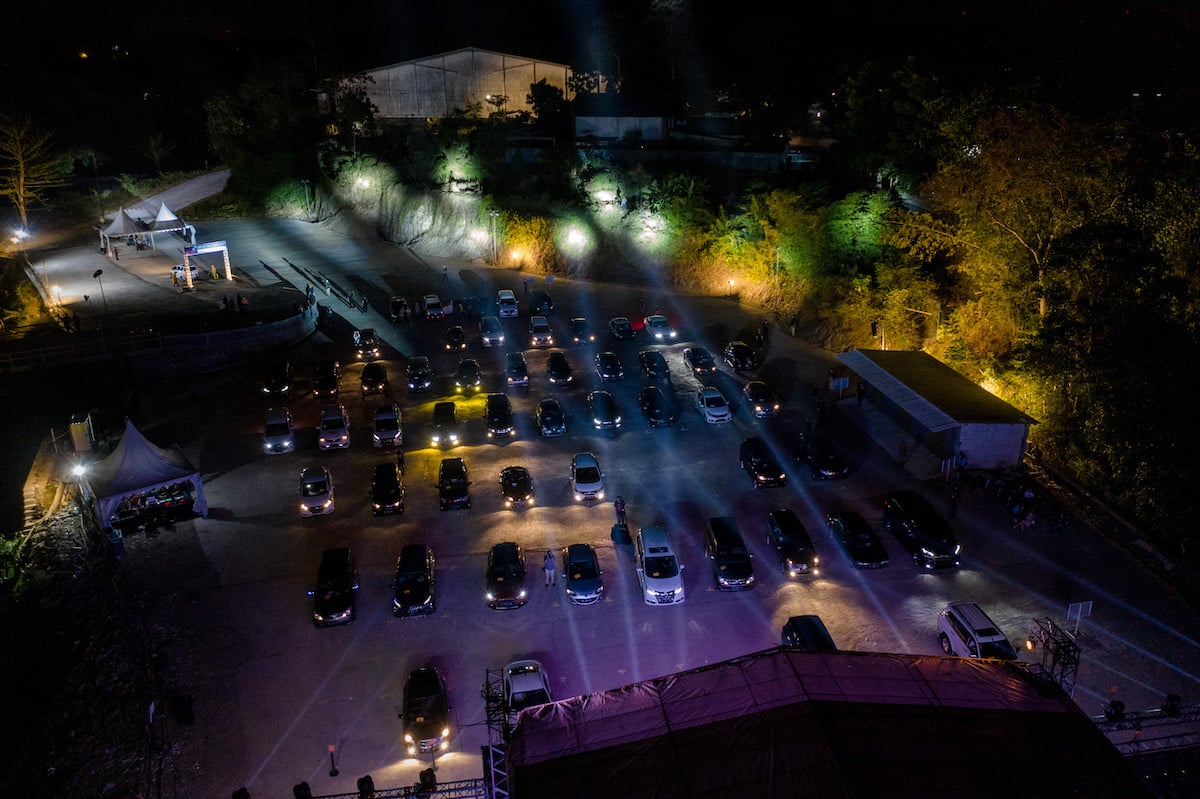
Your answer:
<point x="387" y="424"/>
<point x="998" y="649"/>
<point x="313" y="488"/>
<point x="660" y="566"/>
<point x="587" y="474"/>
<point x="506" y="571"/>
<point x="524" y="699"/>
<point x="714" y="401"/>
<point x="332" y="423"/>
<point x="583" y="570"/>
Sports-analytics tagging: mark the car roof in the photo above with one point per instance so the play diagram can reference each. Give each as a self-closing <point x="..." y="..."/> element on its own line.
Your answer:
<point x="655" y="540"/>
<point x="584" y="459"/>
<point x="505" y="293"/>
<point x="309" y="472"/>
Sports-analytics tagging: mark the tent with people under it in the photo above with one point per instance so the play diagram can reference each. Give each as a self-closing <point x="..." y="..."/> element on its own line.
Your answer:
<point x="140" y="473"/>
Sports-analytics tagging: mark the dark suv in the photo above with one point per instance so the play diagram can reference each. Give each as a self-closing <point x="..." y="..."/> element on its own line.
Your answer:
<point x="921" y="530"/>
<point x="723" y="545"/>
<point x="325" y="379"/>
<point x="335" y="598"/>
<point x="387" y="491"/>
<point x="453" y="485"/>
<point x="499" y="414"/>
<point x="792" y="543"/>
<point x="760" y="463"/>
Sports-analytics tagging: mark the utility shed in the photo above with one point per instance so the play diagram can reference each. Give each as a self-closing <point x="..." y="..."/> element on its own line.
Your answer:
<point x="783" y="723"/>
<point x="941" y="409"/>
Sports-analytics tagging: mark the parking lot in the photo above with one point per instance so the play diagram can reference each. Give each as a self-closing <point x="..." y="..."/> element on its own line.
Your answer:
<point x="273" y="693"/>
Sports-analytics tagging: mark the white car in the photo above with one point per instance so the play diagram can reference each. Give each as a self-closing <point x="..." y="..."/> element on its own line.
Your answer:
<point x="432" y="306"/>
<point x="525" y="685"/>
<point x="711" y="404"/>
<point x="316" y="491"/>
<point x="506" y="303"/>
<point x="658" y="328"/>
<point x="177" y="272"/>
<point x="334" y="427"/>
<point x="277" y="431"/>
<point x="658" y="569"/>
<point x="586" y="477"/>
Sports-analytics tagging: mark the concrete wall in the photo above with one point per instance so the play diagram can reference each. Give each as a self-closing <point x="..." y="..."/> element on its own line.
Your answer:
<point x="992" y="446"/>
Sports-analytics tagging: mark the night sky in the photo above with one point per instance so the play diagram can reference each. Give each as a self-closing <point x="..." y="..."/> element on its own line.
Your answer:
<point x="1095" y="52"/>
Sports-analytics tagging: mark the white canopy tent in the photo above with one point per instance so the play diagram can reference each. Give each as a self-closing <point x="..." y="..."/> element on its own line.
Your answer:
<point x="165" y="221"/>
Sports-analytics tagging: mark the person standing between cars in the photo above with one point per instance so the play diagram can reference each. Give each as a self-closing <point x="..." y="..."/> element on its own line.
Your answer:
<point x="619" y="507"/>
<point x="549" y="567"/>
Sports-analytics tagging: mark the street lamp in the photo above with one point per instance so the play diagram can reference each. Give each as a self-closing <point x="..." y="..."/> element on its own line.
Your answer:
<point x="97" y="275"/>
<point x="495" y="249"/>
<point x="18" y="238"/>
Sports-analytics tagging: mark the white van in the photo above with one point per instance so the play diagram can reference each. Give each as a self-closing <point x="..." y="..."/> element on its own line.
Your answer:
<point x="658" y="570"/>
<point x="966" y="631"/>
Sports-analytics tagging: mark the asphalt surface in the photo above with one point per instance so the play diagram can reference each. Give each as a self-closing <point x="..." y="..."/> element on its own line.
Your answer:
<point x="272" y="694"/>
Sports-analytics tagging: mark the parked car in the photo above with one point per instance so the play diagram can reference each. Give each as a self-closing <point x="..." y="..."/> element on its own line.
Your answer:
<point x="658" y="569"/>
<point x="921" y="529"/>
<point x="966" y="631"/>
<point x="433" y="307"/>
<point x="657" y="407"/>
<point x="367" y="346"/>
<point x="621" y="328"/>
<point x="558" y="369"/>
<point x="654" y="365"/>
<point x="516" y="486"/>
<point x="525" y="685"/>
<point x="822" y="459"/>
<point x="506" y="576"/>
<point x="277" y="431"/>
<point x="414" y="582"/>
<point x="587" y="479"/>
<point x="445" y="425"/>
<point x="426" y="712"/>
<point x="550" y="418"/>
<point x="760" y="399"/>
<point x="581" y="573"/>
<point x="712" y="405"/>
<point x="398" y="309"/>
<point x="454" y="487"/>
<point x="374" y="378"/>
<point x="725" y="548"/>
<point x="658" y="328"/>
<point x="860" y="543"/>
<point x="581" y="331"/>
<point x="699" y="360"/>
<point x="491" y="332"/>
<point x="506" y="303"/>
<point x="456" y="338"/>
<point x="316" y="491"/>
<point x="419" y="373"/>
<point x="540" y="334"/>
<point x="807" y="633"/>
<point x="792" y="544"/>
<point x="608" y="366"/>
<point x="325" y="379"/>
<point x="467" y="378"/>
<point x="387" y="430"/>
<point x="739" y="356"/>
<point x="387" y="489"/>
<point x="603" y="409"/>
<point x="334" y="427"/>
<point x="516" y="369"/>
<point x="335" y="595"/>
<point x="758" y="461"/>
<point x="278" y="380"/>
<point x="498" y="413"/>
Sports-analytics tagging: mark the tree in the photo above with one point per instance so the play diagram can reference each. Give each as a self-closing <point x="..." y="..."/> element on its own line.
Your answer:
<point x="157" y="150"/>
<point x="29" y="166"/>
<point x="550" y="109"/>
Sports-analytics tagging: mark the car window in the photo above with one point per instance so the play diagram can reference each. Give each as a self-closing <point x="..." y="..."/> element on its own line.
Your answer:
<point x="661" y="566"/>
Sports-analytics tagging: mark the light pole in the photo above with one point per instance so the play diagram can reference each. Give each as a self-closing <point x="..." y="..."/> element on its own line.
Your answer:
<point x="97" y="275"/>
<point x="495" y="248"/>
<point x="307" y="200"/>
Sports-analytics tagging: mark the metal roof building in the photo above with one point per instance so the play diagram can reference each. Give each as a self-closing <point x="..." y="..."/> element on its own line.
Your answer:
<point x="941" y="409"/>
<point x="440" y="85"/>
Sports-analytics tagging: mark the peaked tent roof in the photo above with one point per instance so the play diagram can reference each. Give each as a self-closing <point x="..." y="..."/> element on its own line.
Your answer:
<point x="838" y="724"/>
<point x="123" y="225"/>
<point x="165" y="214"/>
<point x="166" y="221"/>
<point x="136" y="465"/>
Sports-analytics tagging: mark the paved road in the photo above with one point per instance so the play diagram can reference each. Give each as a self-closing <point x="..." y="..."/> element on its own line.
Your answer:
<point x="272" y="693"/>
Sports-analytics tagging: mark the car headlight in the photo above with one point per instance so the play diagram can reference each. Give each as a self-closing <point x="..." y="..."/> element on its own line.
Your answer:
<point x="578" y="496"/>
<point x="445" y="732"/>
<point x="522" y="594"/>
<point x="927" y="553"/>
<point x="490" y="596"/>
<point x="408" y="738"/>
